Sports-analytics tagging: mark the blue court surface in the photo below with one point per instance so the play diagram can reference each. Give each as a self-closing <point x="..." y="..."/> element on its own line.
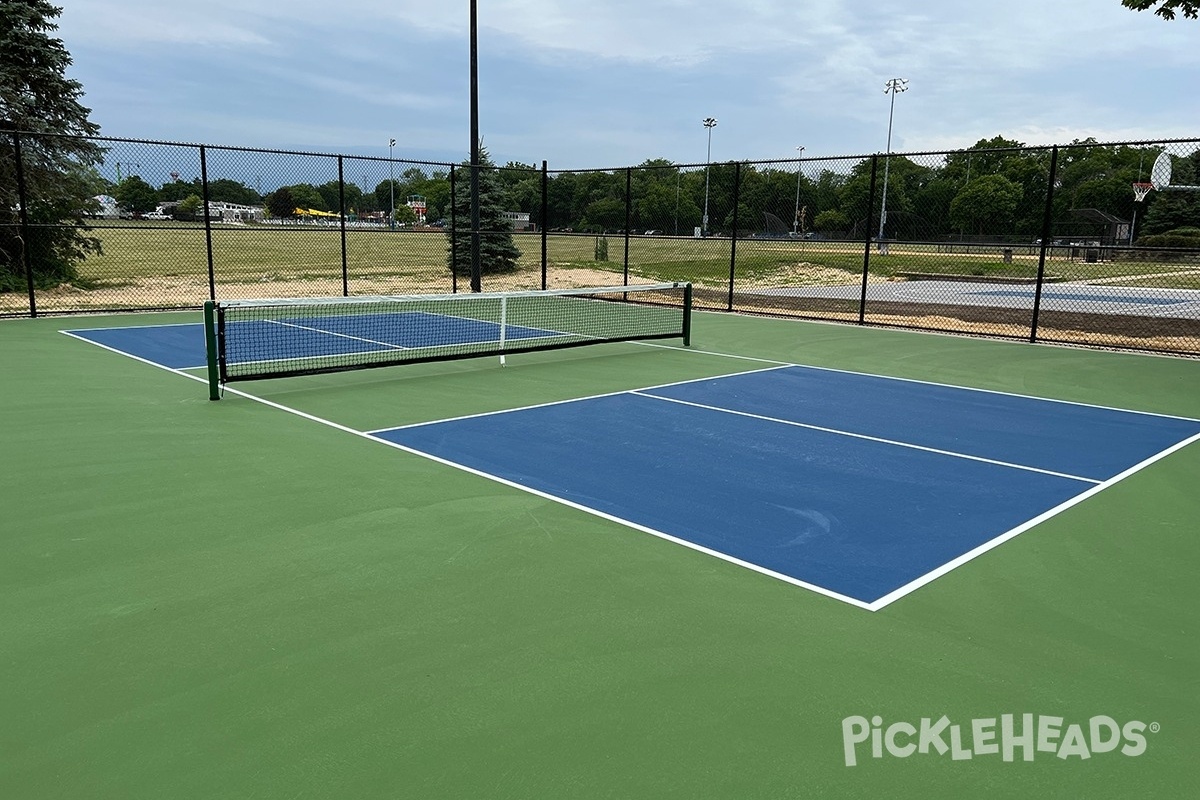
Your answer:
<point x="859" y="487"/>
<point x="315" y="337"/>
<point x="182" y="346"/>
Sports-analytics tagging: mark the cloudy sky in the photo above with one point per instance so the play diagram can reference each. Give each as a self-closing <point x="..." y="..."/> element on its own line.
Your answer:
<point x="615" y="82"/>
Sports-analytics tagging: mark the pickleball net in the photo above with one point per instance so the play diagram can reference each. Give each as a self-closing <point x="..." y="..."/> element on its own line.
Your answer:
<point x="277" y="338"/>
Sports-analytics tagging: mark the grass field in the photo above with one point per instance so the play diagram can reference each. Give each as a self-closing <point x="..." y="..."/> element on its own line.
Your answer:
<point x="228" y="600"/>
<point x="249" y="254"/>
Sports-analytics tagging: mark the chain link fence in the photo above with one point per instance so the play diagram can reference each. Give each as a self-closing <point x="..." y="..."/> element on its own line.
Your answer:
<point x="1086" y="243"/>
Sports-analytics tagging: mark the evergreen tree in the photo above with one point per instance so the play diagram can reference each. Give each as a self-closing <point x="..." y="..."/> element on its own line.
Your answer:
<point x="497" y="251"/>
<point x="281" y="203"/>
<point x="41" y="106"/>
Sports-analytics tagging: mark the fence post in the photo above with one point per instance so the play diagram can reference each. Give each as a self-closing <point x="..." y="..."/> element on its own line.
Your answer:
<point x="342" y="219"/>
<point x="862" y="299"/>
<point x="212" y="275"/>
<point x="1046" y="220"/>
<point x="453" y="234"/>
<point x="737" y="196"/>
<point x="545" y="215"/>
<point x="23" y="205"/>
<point x="628" y="218"/>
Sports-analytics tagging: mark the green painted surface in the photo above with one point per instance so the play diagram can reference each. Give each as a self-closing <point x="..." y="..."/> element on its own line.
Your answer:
<point x="203" y="600"/>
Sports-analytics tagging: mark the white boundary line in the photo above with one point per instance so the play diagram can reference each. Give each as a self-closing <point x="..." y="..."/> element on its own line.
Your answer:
<point x="918" y="380"/>
<point x="876" y="605"/>
<point x="496" y="478"/>
<point x="572" y="400"/>
<point x="866" y="437"/>
<point x="135" y="327"/>
<point x="328" y="333"/>
<point x="933" y="575"/>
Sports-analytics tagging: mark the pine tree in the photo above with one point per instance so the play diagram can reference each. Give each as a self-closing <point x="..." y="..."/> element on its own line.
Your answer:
<point x="40" y="105"/>
<point x="498" y="252"/>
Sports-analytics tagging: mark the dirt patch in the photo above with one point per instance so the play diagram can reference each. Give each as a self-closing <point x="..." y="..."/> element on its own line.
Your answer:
<point x="1163" y="334"/>
<point x="191" y="291"/>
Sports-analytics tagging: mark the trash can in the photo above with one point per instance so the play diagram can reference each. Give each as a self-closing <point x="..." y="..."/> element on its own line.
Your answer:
<point x="1008" y="255"/>
<point x="1092" y="255"/>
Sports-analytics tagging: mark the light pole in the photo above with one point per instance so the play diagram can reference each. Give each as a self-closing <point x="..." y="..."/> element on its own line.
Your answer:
<point x="710" y="123"/>
<point x="391" y="185"/>
<point x="796" y="221"/>
<point x="892" y="87"/>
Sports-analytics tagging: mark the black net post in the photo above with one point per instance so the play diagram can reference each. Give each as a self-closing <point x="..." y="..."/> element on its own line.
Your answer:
<point x="210" y="350"/>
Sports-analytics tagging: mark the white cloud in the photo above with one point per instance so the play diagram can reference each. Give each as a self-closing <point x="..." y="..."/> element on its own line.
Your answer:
<point x="620" y="81"/>
<point x="131" y="23"/>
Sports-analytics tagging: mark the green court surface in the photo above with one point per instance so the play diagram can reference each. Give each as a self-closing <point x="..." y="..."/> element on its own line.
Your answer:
<point x="227" y="600"/>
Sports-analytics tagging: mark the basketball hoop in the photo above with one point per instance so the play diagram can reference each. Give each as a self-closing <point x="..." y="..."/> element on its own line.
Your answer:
<point x="1140" y="190"/>
<point x="1160" y="175"/>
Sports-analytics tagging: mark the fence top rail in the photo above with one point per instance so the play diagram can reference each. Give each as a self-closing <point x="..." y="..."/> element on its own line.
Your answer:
<point x="449" y="164"/>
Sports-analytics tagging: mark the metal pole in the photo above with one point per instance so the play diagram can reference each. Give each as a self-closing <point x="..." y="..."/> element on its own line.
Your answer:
<point x="476" y="267"/>
<point x="545" y="218"/>
<point x="342" y="224"/>
<point x="391" y="185"/>
<point x="1047" y="217"/>
<point x="23" y="215"/>
<point x="866" y="273"/>
<point x="628" y="220"/>
<point x="737" y="191"/>
<point x="677" y="201"/>
<point x="893" y="87"/>
<point x="796" y="220"/>
<point x="710" y="123"/>
<point x="208" y="241"/>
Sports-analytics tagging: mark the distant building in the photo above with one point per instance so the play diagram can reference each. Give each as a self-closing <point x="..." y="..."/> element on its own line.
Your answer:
<point x="417" y="203"/>
<point x="519" y="220"/>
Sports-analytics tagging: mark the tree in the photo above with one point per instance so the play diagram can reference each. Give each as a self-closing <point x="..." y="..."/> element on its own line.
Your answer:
<point x="189" y="208"/>
<point x="305" y="195"/>
<point x="831" y="221"/>
<point x="405" y="215"/>
<point x="281" y="203"/>
<point x="41" y="106"/>
<point x="331" y="193"/>
<point x="135" y="195"/>
<point x="1189" y="8"/>
<point x="988" y="202"/>
<point x="227" y="190"/>
<point x="497" y="251"/>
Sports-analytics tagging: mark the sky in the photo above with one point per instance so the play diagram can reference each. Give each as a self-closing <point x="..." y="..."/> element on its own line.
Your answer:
<point x="616" y="82"/>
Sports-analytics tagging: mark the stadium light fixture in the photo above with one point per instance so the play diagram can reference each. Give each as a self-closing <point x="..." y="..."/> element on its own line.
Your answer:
<point x="892" y="87"/>
<point x="710" y="123"/>
<point x="796" y="219"/>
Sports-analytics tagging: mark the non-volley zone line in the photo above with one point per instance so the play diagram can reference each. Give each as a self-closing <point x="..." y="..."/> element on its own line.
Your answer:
<point x="862" y="518"/>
